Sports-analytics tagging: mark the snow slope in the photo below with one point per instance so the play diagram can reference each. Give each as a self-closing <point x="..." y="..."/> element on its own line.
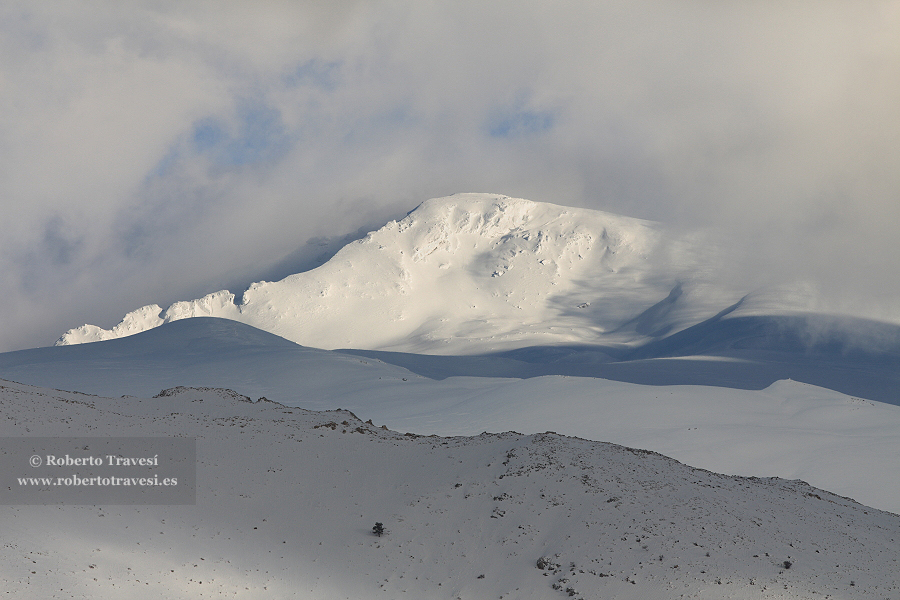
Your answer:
<point x="437" y="307"/>
<point x="287" y="499"/>
<point x="477" y="272"/>
<point x="835" y="441"/>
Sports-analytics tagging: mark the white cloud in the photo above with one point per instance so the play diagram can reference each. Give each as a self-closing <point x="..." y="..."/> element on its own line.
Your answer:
<point x="155" y="151"/>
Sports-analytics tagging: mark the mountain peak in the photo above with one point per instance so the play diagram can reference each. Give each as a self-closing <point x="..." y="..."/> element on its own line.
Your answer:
<point x="467" y="273"/>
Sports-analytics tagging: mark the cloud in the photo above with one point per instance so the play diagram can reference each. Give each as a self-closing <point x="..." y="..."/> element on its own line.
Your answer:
<point x="518" y="120"/>
<point x="154" y="151"/>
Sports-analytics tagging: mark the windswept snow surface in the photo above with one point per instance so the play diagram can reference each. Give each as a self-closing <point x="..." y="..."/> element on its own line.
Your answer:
<point x="843" y="443"/>
<point x="477" y="272"/>
<point x="286" y="501"/>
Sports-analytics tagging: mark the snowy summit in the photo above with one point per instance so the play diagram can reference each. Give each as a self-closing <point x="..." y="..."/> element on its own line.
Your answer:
<point x="474" y="272"/>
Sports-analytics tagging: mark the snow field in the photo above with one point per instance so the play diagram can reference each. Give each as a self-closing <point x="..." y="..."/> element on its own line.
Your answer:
<point x="287" y="498"/>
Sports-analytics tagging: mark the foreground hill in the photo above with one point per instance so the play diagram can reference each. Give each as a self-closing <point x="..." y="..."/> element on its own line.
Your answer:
<point x="788" y="429"/>
<point x="287" y="498"/>
<point x="473" y="273"/>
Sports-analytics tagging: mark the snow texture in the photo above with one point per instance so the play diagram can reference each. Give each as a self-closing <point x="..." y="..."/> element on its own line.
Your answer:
<point x="287" y="499"/>
<point x="477" y="272"/>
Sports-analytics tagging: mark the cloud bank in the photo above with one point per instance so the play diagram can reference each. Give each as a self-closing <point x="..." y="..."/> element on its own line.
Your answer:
<point x="156" y="151"/>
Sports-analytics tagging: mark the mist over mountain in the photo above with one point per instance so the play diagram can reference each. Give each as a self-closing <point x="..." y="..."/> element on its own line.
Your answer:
<point x="480" y="272"/>
<point x="227" y="195"/>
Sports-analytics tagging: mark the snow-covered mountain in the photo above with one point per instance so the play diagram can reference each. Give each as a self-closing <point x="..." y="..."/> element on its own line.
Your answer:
<point x="737" y="423"/>
<point x="483" y="313"/>
<point x="478" y="272"/>
<point x="529" y="288"/>
<point x="286" y="501"/>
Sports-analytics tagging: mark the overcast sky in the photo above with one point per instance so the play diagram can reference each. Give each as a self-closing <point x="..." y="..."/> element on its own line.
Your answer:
<point x="157" y="151"/>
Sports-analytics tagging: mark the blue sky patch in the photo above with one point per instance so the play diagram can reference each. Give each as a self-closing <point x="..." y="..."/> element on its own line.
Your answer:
<point x="517" y="120"/>
<point x="516" y="124"/>
<point x="318" y="73"/>
<point x="259" y="136"/>
<point x="208" y="133"/>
